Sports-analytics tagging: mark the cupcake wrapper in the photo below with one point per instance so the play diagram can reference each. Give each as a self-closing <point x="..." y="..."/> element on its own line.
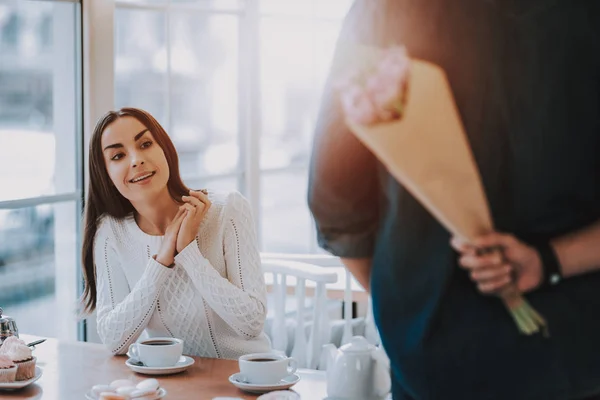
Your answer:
<point x="8" y="375"/>
<point x="26" y="369"/>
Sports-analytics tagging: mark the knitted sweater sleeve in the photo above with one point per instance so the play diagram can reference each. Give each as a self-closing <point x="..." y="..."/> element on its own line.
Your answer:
<point x="123" y="312"/>
<point x="239" y="299"/>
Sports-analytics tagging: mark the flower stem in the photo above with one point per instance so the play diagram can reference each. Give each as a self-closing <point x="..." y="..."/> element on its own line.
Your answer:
<point x="528" y="320"/>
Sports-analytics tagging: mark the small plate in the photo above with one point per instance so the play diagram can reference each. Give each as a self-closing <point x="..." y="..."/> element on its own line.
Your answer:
<point x="22" y="384"/>
<point x="184" y="363"/>
<point x="386" y="397"/>
<point x="283" y="384"/>
<point x="162" y="392"/>
<point x="280" y="395"/>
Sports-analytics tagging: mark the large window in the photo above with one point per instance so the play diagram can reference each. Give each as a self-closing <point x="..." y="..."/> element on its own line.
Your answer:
<point x="236" y="84"/>
<point x="40" y="164"/>
<point x="297" y="40"/>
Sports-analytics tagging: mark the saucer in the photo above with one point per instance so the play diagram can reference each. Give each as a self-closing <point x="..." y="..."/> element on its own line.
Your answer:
<point x="261" y="388"/>
<point x="22" y="384"/>
<point x="184" y="363"/>
<point x="162" y="392"/>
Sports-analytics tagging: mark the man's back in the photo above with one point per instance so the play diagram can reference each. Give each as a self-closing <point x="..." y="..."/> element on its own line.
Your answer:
<point x="525" y="78"/>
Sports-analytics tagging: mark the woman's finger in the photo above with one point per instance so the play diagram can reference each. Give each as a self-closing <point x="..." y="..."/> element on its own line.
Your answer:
<point x="179" y="214"/>
<point x="199" y="194"/>
<point x="174" y="225"/>
<point x="193" y="201"/>
<point x="202" y="196"/>
<point x="484" y="261"/>
<point x="190" y="208"/>
<point x="179" y="220"/>
<point x="198" y="205"/>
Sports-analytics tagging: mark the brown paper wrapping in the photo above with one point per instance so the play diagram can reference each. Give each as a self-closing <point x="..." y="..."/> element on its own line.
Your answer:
<point x="428" y="153"/>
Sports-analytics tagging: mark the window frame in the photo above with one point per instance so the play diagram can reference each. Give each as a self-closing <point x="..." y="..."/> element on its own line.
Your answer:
<point x="73" y="76"/>
<point x="250" y="113"/>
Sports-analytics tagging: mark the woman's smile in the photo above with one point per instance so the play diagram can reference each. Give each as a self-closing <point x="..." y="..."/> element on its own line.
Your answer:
<point x="143" y="178"/>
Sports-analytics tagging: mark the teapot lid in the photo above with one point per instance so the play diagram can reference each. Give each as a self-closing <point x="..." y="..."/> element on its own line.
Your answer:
<point x="358" y="344"/>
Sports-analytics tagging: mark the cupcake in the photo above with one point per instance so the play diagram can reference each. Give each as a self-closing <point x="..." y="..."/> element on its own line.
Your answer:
<point x="21" y="355"/>
<point x="9" y="342"/>
<point x="8" y="369"/>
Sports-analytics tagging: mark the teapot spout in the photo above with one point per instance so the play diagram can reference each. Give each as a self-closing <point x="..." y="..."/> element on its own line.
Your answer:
<point x="328" y="353"/>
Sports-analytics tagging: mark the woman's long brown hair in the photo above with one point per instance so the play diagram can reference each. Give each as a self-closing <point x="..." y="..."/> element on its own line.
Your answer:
<point x="104" y="198"/>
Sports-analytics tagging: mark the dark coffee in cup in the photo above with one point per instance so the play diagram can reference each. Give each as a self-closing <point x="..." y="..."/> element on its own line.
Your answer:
<point x="158" y="342"/>
<point x="266" y="368"/>
<point x="157" y="351"/>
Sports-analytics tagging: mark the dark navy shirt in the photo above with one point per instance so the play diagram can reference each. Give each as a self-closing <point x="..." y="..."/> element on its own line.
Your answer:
<point x="526" y="79"/>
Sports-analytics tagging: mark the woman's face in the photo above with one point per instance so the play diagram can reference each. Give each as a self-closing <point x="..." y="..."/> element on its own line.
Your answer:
<point x="135" y="163"/>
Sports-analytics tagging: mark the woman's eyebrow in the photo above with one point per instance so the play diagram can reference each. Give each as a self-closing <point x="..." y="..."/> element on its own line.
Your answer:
<point x="117" y="145"/>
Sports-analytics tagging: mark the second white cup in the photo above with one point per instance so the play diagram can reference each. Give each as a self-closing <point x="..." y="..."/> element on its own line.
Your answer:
<point x="266" y="368"/>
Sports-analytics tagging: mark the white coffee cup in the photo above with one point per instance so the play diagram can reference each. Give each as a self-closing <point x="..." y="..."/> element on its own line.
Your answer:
<point x="157" y="351"/>
<point x="266" y="368"/>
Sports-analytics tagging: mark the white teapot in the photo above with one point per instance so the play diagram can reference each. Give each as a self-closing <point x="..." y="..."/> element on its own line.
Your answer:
<point x="358" y="370"/>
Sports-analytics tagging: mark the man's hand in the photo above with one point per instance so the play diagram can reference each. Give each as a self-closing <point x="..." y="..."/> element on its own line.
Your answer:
<point x="497" y="259"/>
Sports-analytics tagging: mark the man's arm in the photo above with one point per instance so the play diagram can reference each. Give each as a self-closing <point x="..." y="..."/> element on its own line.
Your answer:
<point x="344" y="191"/>
<point x="579" y="252"/>
<point x="360" y="268"/>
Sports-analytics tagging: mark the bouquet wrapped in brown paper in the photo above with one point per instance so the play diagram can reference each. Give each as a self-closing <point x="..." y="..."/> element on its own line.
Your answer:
<point x="403" y="110"/>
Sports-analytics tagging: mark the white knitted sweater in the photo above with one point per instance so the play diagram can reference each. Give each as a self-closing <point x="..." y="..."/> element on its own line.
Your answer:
<point x="214" y="298"/>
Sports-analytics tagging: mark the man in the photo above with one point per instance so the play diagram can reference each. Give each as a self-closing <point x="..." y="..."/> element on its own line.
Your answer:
<point x="525" y="76"/>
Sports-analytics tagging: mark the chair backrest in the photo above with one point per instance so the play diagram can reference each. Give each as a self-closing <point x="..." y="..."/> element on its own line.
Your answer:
<point x="316" y="271"/>
<point x="284" y="272"/>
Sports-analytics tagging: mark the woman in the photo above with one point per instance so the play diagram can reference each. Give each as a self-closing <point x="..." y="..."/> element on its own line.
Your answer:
<point x="162" y="258"/>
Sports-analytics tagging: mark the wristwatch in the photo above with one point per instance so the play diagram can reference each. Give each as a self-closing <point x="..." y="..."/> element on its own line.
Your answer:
<point x="550" y="263"/>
